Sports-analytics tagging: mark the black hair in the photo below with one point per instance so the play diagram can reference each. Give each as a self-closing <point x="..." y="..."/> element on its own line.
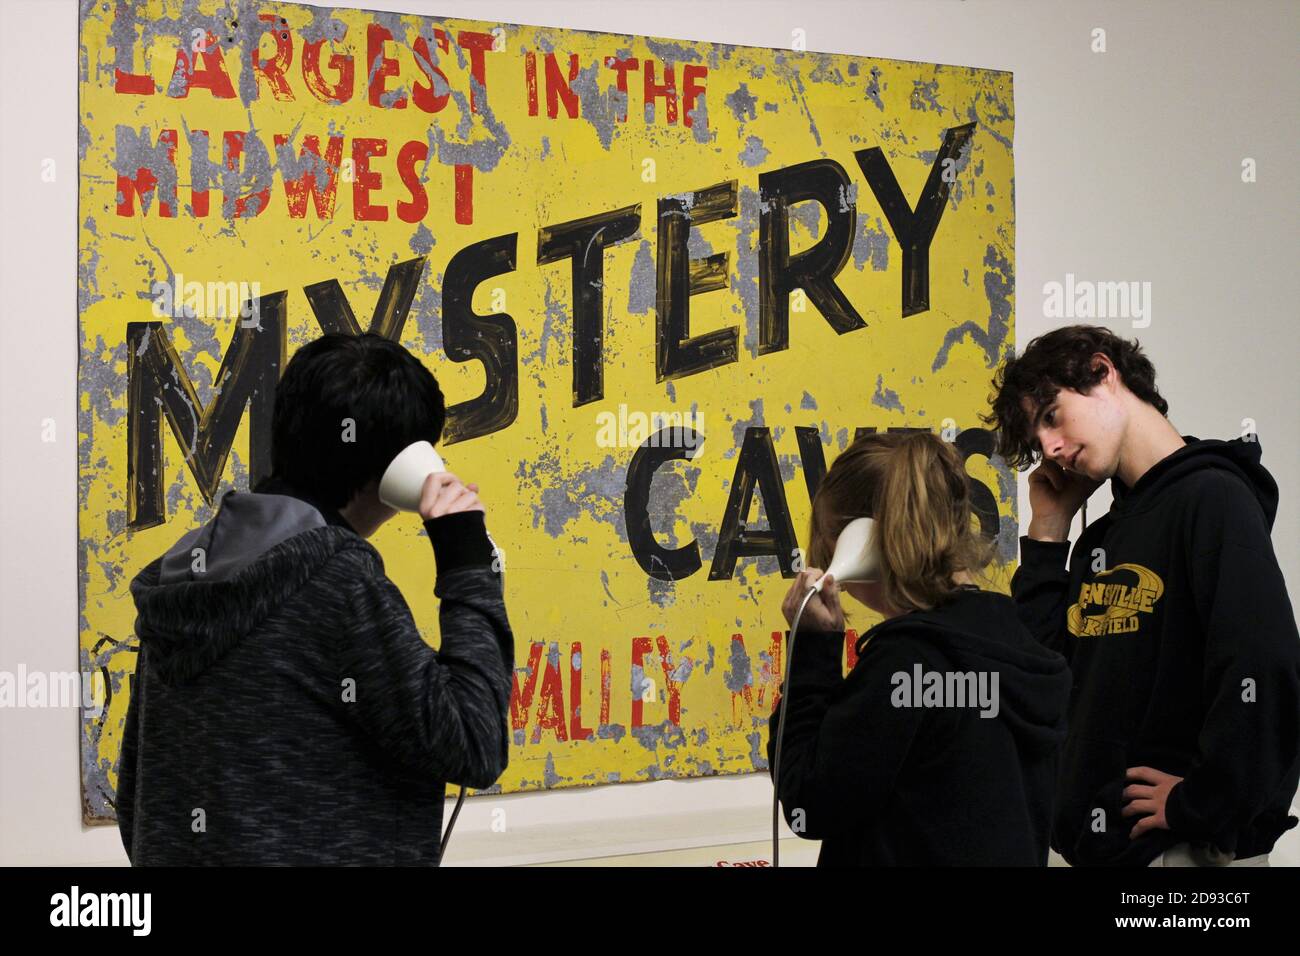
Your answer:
<point x="344" y="407"/>
<point x="1061" y="358"/>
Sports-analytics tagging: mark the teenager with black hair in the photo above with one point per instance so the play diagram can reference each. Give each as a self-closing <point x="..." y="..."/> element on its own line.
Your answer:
<point x="1184" y="723"/>
<point x="285" y="708"/>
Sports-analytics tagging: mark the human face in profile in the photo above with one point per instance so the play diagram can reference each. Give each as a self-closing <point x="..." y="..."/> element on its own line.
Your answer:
<point x="1082" y="432"/>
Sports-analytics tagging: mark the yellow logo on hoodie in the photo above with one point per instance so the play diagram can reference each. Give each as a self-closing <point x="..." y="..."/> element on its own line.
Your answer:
<point x="1115" y="607"/>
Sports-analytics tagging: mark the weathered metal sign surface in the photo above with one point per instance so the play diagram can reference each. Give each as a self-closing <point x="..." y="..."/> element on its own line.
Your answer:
<point x="606" y="248"/>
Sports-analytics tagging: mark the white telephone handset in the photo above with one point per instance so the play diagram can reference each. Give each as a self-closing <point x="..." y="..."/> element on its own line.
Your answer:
<point x="856" y="556"/>
<point x="402" y="485"/>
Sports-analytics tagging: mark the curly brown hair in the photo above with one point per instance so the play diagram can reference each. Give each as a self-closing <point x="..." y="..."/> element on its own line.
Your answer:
<point x="1062" y="358"/>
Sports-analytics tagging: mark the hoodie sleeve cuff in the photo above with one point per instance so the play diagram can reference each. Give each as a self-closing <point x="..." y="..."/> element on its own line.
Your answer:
<point x="1054" y="553"/>
<point x="459" y="540"/>
<point x="1174" y="809"/>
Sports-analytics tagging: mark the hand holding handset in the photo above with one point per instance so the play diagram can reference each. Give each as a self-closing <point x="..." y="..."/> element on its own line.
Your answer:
<point x="1055" y="496"/>
<point x="814" y="596"/>
<point x="407" y="478"/>
<point x="856" y="560"/>
<point x="418" y="480"/>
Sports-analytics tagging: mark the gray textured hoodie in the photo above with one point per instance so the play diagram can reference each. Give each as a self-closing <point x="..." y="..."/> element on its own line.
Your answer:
<point x="285" y="709"/>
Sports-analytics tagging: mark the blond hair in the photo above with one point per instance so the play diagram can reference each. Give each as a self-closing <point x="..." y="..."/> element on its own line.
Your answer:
<point x="914" y="485"/>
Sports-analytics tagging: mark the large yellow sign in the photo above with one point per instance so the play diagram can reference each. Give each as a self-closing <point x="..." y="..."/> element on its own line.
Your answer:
<point x="662" y="285"/>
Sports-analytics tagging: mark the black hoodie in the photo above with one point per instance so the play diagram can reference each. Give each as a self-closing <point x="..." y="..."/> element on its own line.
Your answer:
<point x="882" y="781"/>
<point x="286" y="708"/>
<point x="1175" y="618"/>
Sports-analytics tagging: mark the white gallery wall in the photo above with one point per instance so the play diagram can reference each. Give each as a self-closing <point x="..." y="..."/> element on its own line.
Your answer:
<point x="1128" y="168"/>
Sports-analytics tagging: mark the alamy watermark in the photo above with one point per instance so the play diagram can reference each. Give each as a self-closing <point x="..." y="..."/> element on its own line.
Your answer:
<point x="922" y="688"/>
<point x="76" y="908"/>
<point x="207" y="300"/>
<point x="42" y="689"/>
<point x="1085" y="299"/>
<point x="655" y="429"/>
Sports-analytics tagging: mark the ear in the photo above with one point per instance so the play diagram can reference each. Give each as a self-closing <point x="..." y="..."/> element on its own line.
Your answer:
<point x="1111" y="377"/>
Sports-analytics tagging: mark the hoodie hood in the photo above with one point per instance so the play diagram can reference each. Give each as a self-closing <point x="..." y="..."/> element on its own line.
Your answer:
<point x="244" y="528"/>
<point x="1238" y="456"/>
<point x="221" y="580"/>
<point x="980" y="631"/>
